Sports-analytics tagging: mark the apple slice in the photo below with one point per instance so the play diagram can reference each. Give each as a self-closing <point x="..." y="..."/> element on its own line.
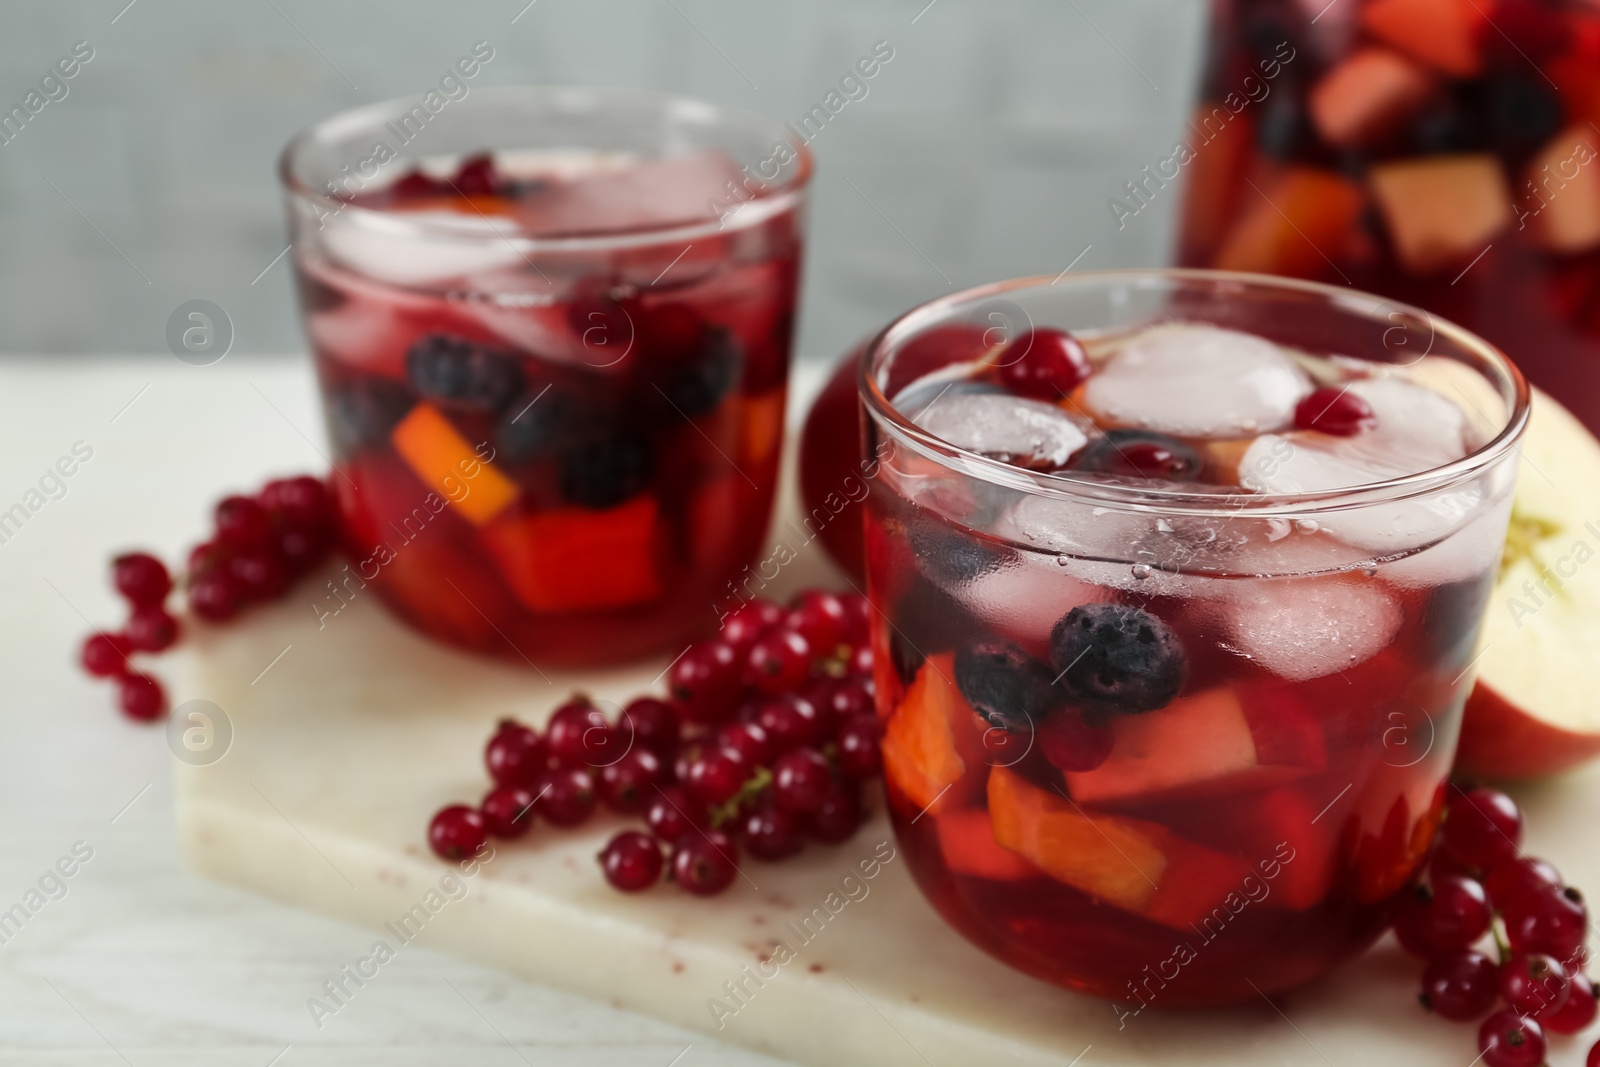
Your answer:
<point x="1444" y="33"/>
<point x="1442" y="210"/>
<point x="1369" y="95"/>
<point x="1533" y="711"/>
<point x="933" y="742"/>
<point x="1208" y="744"/>
<point x="1295" y="226"/>
<point x="1565" y="203"/>
<point x="1138" y="866"/>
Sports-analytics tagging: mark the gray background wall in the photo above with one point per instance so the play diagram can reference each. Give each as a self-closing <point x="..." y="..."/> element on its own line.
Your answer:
<point x="986" y="148"/>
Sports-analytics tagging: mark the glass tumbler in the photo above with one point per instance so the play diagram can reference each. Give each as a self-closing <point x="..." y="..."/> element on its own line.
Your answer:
<point x="551" y="328"/>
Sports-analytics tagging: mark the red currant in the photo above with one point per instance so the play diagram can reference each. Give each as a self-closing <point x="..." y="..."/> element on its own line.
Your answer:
<point x="747" y="738"/>
<point x="673" y="812"/>
<point x="301" y="550"/>
<point x="242" y="522"/>
<point x="456" y="832"/>
<point x="1482" y="828"/>
<point x="705" y="681"/>
<point x="859" y="665"/>
<point x="717" y="775"/>
<point x="208" y="556"/>
<point x="151" y="629"/>
<point x="260" y="573"/>
<point x="1578" y="1011"/>
<point x="778" y="662"/>
<point x="215" y="595"/>
<point x="1073" y="743"/>
<point x="1460" y="985"/>
<point x="789" y="722"/>
<point x="1450" y="915"/>
<point x="516" y="755"/>
<point x="141" y="579"/>
<point x="818" y="616"/>
<point x="632" y="861"/>
<point x="653" y="724"/>
<point x="1507" y="1039"/>
<point x="1552" y="921"/>
<point x="567" y="796"/>
<point x="800" y="780"/>
<point x="507" y="811"/>
<point x="627" y="782"/>
<point x="1336" y="411"/>
<point x="578" y="735"/>
<point x="769" y="833"/>
<point x="704" y="863"/>
<point x="859" y="754"/>
<point x="838" y="701"/>
<point x="838" y="816"/>
<point x="742" y="626"/>
<point x="1509" y="880"/>
<point x="105" y="655"/>
<point x="1533" y="983"/>
<point x="857" y="612"/>
<point x="141" y="697"/>
<point x="1044" y="364"/>
<point x="303" y="503"/>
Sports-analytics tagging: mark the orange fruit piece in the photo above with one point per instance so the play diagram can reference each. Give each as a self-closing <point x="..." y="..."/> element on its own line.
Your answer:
<point x="1295" y="226"/>
<point x="933" y="739"/>
<point x="447" y="464"/>
<point x="1446" y="34"/>
<point x="574" y="559"/>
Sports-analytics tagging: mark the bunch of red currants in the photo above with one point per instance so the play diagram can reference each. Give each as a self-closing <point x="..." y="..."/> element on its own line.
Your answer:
<point x="1481" y="884"/>
<point x="768" y="737"/>
<point x="260" y="545"/>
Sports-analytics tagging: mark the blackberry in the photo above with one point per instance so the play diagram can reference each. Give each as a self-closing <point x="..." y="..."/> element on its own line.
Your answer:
<point x="363" y="412"/>
<point x="541" y="419"/>
<point x="1006" y="686"/>
<point x="604" y="472"/>
<point x="462" y="373"/>
<point x="697" y="386"/>
<point x="1116" y="658"/>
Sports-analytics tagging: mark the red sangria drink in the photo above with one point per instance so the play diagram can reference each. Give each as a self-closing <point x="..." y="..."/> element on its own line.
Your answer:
<point x="1442" y="152"/>
<point x="551" y="329"/>
<point x="1178" y="578"/>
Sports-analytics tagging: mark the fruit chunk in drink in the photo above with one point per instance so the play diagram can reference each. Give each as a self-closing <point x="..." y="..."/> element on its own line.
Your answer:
<point x="1141" y="738"/>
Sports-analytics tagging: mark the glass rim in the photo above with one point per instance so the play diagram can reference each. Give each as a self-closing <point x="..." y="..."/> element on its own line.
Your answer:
<point x="771" y="200"/>
<point x="1068" y="485"/>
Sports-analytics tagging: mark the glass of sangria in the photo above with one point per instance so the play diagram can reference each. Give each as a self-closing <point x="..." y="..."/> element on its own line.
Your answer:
<point x="551" y="328"/>
<point x="1178" y="577"/>
<point x="1442" y="152"/>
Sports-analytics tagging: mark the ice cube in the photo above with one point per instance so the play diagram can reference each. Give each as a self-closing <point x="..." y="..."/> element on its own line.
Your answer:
<point x="1304" y="628"/>
<point x="1198" y="381"/>
<point x="1416" y="429"/>
<point x="636" y="194"/>
<point x="1027" y="595"/>
<point x="389" y="250"/>
<point x="1027" y="433"/>
<point x="1467" y="553"/>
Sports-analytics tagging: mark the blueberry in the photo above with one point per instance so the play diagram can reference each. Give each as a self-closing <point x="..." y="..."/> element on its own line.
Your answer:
<point x="604" y="472"/>
<point x="1006" y="686"/>
<point x="698" y="385"/>
<point x="540" y="420"/>
<point x="1140" y="454"/>
<point x="462" y="373"/>
<point x="1117" y="658"/>
<point x="363" y="412"/>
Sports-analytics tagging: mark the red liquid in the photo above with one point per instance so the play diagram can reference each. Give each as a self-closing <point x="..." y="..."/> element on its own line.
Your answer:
<point x="1409" y="157"/>
<point x="569" y="472"/>
<point x="1243" y="836"/>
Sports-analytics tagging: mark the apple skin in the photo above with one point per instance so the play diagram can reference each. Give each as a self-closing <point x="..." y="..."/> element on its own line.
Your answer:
<point x="830" y="454"/>
<point x="1500" y="740"/>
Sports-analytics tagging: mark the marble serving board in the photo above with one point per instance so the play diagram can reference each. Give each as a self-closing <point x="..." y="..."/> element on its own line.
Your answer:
<point x="348" y="731"/>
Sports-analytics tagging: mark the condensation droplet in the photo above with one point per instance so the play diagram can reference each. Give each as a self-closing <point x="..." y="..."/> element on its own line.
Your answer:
<point x="1370" y="571"/>
<point x="1141" y="571"/>
<point x="1063" y="561"/>
<point x="1307" y="526"/>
